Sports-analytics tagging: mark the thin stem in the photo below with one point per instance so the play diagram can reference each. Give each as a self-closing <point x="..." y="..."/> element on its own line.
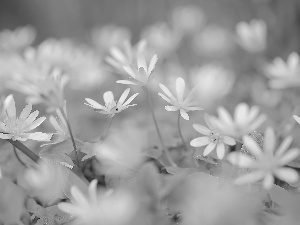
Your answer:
<point x="167" y="154"/>
<point x="25" y="150"/>
<point x="180" y="134"/>
<point x="18" y="158"/>
<point x="71" y="135"/>
<point x="107" y="129"/>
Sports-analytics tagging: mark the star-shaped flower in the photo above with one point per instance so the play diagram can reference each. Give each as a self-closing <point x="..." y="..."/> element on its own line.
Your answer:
<point x="266" y="163"/>
<point x="213" y="139"/>
<point x="99" y="208"/>
<point x="244" y="121"/>
<point x="18" y="129"/>
<point x="180" y="103"/>
<point x="111" y="106"/>
<point x="284" y="74"/>
<point x="140" y="74"/>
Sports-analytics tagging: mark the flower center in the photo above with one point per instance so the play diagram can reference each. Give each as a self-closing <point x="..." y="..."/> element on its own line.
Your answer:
<point x="215" y="137"/>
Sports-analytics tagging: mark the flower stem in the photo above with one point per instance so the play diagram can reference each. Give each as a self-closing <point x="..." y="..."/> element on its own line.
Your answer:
<point x="18" y="158"/>
<point x="167" y="154"/>
<point x="107" y="129"/>
<point x="71" y="135"/>
<point x="25" y="150"/>
<point x="180" y="133"/>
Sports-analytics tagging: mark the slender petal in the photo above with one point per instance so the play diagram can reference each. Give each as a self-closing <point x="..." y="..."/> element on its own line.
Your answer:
<point x="209" y="148"/>
<point x="180" y="88"/>
<point x="251" y="177"/>
<point x="184" y="114"/>
<point x="287" y="174"/>
<point x="252" y="146"/>
<point x="79" y="198"/>
<point x="229" y="140"/>
<point x="220" y="150"/>
<point x="94" y="104"/>
<point x="37" y="136"/>
<point x="126" y="82"/>
<point x="164" y="97"/>
<point x="129" y="71"/>
<point x="269" y="141"/>
<point x="171" y="108"/>
<point x="241" y="160"/>
<point x="11" y="106"/>
<point x="32" y="117"/>
<point x="124" y="96"/>
<point x="152" y="64"/>
<point x="167" y="92"/>
<point x="5" y="136"/>
<point x="225" y="116"/>
<point x="26" y="111"/>
<point x="130" y="99"/>
<point x="289" y="156"/>
<point x="202" y="129"/>
<point x="108" y="97"/>
<point x="200" y="141"/>
<point x="284" y="146"/>
<point x="268" y="181"/>
<point x="35" y="124"/>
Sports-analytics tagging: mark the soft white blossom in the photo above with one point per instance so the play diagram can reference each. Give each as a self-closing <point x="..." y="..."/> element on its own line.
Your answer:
<point x="179" y="103"/>
<point x="112" y="107"/>
<point x="140" y="74"/>
<point x="106" y="207"/>
<point x="284" y="74"/>
<point x="19" y="128"/>
<point x="214" y="139"/>
<point x="252" y="36"/>
<point x="267" y="162"/>
<point x="245" y="120"/>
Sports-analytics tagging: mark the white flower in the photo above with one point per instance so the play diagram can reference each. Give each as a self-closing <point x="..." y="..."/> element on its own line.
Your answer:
<point x="284" y="74"/>
<point x="179" y="103"/>
<point x="18" y="129"/>
<point x="213" y="139"/>
<point x="252" y="36"/>
<point x="245" y="120"/>
<point x="47" y="90"/>
<point x="126" y="56"/>
<point x="17" y="39"/>
<point x="140" y="74"/>
<point x="209" y="78"/>
<point x="99" y="208"/>
<point x="268" y="162"/>
<point x="297" y="118"/>
<point x="111" y="106"/>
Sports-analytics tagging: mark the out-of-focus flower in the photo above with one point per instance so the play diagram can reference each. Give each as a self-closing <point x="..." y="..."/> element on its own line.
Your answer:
<point x="111" y="106"/>
<point x="108" y="207"/>
<point x="61" y="128"/>
<point x="141" y="73"/>
<point x="80" y="63"/>
<point x="245" y="120"/>
<point x="109" y="36"/>
<point x="188" y="19"/>
<point x="161" y="39"/>
<point x="213" y="139"/>
<point x="297" y="118"/>
<point x="284" y="74"/>
<point x="209" y="78"/>
<point x="46" y="182"/>
<point x="268" y="162"/>
<point x="17" y="39"/>
<point x="126" y="56"/>
<point x="47" y="90"/>
<point x="180" y="103"/>
<point x="252" y="36"/>
<point x="18" y="129"/>
<point x="213" y="41"/>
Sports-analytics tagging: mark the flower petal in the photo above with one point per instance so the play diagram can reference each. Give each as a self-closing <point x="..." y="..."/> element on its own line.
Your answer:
<point x="289" y="156"/>
<point x="37" y="136"/>
<point x="184" y="114"/>
<point x="167" y="92"/>
<point x="284" y="146"/>
<point x="32" y="117"/>
<point x="94" y="104"/>
<point x="129" y="71"/>
<point x="152" y="64"/>
<point x="209" y="148"/>
<point x="229" y="140"/>
<point x="268" y="181"/>
<point x="164" y="97"/>
<point x="93" y="191"/>
<point x="297" y="118"/>
<point x="225" y="116"/>
<point x="241" y="114"/>
<point x="220" y="150"/>
<point x="269" y="141"/>
<point x="252" y="146"/>
<point x="5" y="136"/>
<point x="249" y="178"/>
<point x="287" y="174"/>
<point x="180" y="88"/>
<point x="26" y="111"/>
<point x="126" y="82"/>
<point x="79" y="198"/>
<point x="171" y="108"/>
<point x="108" y="97"/>
<point x="200" y="141"/>
<point x="130" y="99"/>
<point x="35" y="124"/>
<point x="10" y="106"/>
<point x="241" y="160"/>
<point x="202" y="129"/>
<point x="124" y="96"/>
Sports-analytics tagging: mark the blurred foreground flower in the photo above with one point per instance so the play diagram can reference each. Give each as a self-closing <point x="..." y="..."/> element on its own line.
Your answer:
<point x="141" y="73"/>
<point x="245" y="120"/>
<point x="213" y="139"/>
<point x="109" y="207"/>
<point x="268" y="162"/>
<point x="252" y="36"/>
<point x="179" y="103"/>
<point x="17" y="39"/>
<point x="111" y="106"/>
<point x="284" y="74"/>
<point x="19" y="129"/>
<point x="47" y="90"/>
<point x="47" y="181"/>
<point x="210" y="78"/>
